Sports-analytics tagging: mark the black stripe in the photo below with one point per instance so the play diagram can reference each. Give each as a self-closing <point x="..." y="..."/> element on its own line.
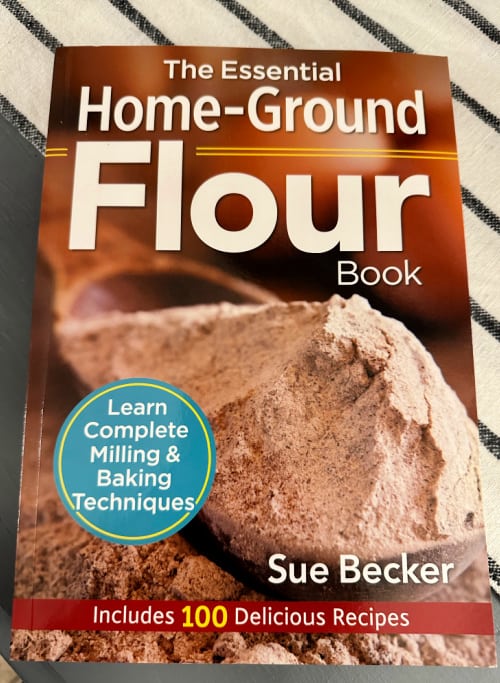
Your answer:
<point x="33" y="26"/>
<point x="465" y="10"/>
<point x="489" y="439"/>
<point x="254" y="23"/>
<point x="143" y="24"/>
<point x="392" y="42"/>
<point x="27" y="129"/>
<point x="476" y="107"/>
<point x="494" y="570"/>
<point x="485" y="319"/>
<point x="372" y="26"/>
<point x="481" y="210"/>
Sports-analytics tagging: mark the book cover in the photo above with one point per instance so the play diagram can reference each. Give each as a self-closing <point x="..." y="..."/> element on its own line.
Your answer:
<point x="250" y="428"/>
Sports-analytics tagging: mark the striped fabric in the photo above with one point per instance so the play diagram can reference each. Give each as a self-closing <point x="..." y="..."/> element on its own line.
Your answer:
<point x="467" y="33"/>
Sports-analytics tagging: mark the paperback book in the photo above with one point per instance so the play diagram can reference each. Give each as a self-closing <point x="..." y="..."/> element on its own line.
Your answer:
<point x="251" y="424"/>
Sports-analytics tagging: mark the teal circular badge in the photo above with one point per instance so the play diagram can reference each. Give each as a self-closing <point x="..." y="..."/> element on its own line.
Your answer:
<point x="134" y="461"/>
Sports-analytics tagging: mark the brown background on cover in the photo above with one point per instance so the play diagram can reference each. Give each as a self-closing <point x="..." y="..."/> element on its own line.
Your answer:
<point x="438" y="311"/>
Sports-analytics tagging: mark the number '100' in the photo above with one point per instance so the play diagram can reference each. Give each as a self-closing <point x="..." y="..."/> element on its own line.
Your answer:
<point x="204" y="616"/>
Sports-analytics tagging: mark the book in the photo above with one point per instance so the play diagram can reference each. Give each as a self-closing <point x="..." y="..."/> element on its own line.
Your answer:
<point x="251" y="425"/>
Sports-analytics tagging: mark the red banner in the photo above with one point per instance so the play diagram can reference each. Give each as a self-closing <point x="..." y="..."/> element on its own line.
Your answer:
<point x="303" y="617"/>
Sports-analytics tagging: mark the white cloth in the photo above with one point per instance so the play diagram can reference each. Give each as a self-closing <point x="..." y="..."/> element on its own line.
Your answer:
<point x="466" y="32"/>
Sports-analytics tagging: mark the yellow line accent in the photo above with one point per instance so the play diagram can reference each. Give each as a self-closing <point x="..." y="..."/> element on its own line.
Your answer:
<point x="327" y="152"/>
<point x="322" y="156"/>
<point x="56" y="151"/>
<point x="326" y="149"/>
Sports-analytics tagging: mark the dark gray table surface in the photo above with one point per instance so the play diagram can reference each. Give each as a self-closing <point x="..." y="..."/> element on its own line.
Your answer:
<point x="21" y="168"/>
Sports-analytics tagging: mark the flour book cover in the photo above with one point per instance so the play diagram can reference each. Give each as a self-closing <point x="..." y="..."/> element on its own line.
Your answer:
<point x="251" y="425"/>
